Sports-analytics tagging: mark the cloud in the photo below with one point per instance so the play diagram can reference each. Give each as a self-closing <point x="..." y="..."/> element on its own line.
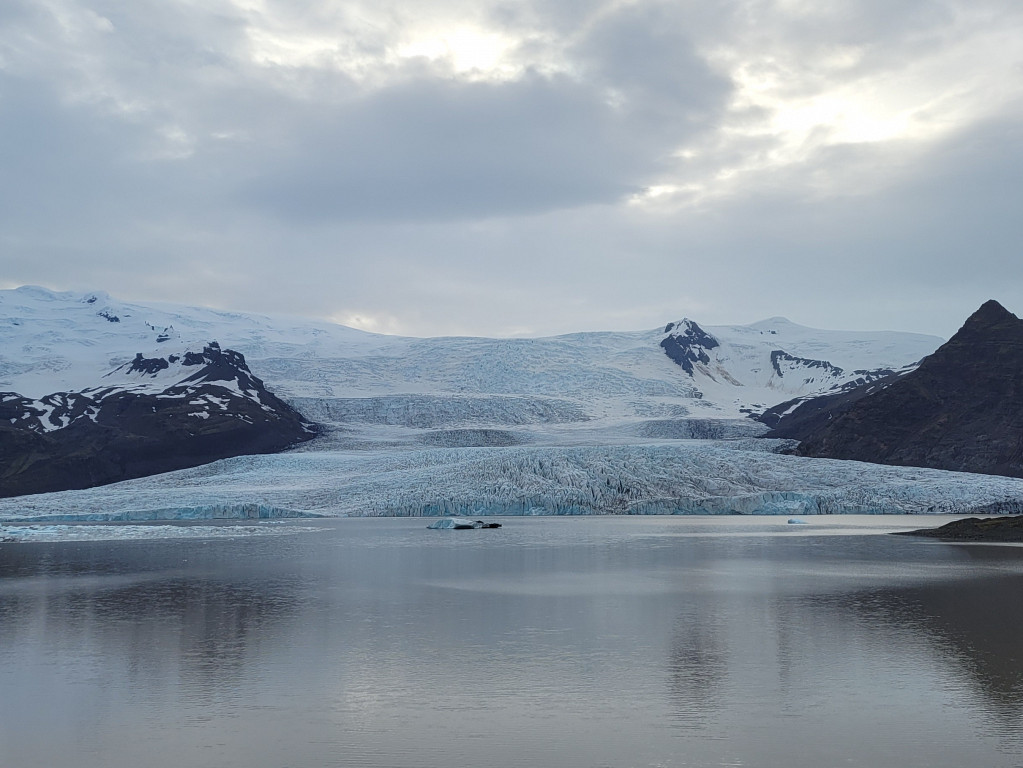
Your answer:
<point x="610" y="164"/>
<point x="160" y="104"/>
<point x="464" y="150"/>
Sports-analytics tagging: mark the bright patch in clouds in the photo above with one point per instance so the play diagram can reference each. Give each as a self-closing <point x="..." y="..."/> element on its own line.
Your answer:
<point x="787" y="108"/>
<point x="364" y="321"/>
<point x="272" y="49"/>
<point x="923" y="100"/>
<point x="368" y="42"/>
<point x="469" y="49"/>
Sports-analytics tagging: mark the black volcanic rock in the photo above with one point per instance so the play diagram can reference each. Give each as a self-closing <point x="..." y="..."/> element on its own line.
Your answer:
<point x="687" y="343"/>
<point x="801" y="417"/>
<point x="221" y="365"/>
<point x="962" y="409"/>
<point x="104" y="435"/>
<point x="992" y="529"/>
<point x="150" y="365"/>
<point x="778" y="356"/>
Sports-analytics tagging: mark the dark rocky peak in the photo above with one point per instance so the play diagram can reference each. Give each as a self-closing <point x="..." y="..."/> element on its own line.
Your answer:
<point x="780" y="357"/>
<point x="961" y="409"/>
<point x="802" y="416"/>
<point x="992" y="324"/>
<point x="991" y="337"/>
<point x="991" y="313"/>
<point x="220" y="365"/>
<point x="211" y="365"/>
<point x="48" y="413"/>
<point x="66" y="407"/>
<point x="686" y="343"/>
<point x="150" y="366"/>
<point x="82" y="439"/>
<point x="14" y="407"/>
<point x="211" y="353"/>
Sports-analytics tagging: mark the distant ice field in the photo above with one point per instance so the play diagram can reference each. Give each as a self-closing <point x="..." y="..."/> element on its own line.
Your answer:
<point x="58" y="342"/>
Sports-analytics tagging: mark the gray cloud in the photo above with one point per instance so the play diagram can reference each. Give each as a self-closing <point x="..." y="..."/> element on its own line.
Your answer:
<point x="644" y="52"/>
<point x="423" y="147"/>
<point x="455" y="150"/>
<point x="146" y="150"/>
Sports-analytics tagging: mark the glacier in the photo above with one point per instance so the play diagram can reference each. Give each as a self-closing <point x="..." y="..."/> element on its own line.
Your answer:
<point x="589" y="423"/>
<point x="730" y="477"/>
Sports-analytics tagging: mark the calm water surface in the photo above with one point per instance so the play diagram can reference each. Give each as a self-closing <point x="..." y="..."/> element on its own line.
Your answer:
<point x="550" y="642"/>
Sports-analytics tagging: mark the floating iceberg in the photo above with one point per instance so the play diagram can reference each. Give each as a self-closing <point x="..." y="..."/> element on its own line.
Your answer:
<point x="459" y="524"/>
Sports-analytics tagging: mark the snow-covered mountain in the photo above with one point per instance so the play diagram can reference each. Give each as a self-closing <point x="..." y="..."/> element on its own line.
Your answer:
<point x="149" y="415"/>
<point x="211" y="379"/>
<point x="604" y="423"/>
<point x="752" y="367"/>
<point x="60" y="342"/>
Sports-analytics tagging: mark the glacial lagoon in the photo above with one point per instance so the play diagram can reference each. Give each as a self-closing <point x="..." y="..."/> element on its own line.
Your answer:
<point x="576" y="642"/>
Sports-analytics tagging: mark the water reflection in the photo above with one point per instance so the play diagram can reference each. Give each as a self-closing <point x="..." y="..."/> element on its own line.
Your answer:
<point x="972" y="625"/>
<point x="697" y="666"/>
<point x="962" y="632"/>
<point x="93" y="634"/>
<point x="568" y="643"/>
<point x="877" y="648"/>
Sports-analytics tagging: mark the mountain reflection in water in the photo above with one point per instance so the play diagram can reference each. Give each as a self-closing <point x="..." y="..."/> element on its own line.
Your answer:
<point x="578" y="642"/>
<point x="975" y="627"/>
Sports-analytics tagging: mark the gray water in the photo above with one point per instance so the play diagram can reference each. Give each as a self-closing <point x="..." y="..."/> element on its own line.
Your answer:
<point x="550" y="642"/>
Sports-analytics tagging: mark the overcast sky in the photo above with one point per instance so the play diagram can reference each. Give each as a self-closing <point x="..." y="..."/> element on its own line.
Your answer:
<point x="506" y="167"/>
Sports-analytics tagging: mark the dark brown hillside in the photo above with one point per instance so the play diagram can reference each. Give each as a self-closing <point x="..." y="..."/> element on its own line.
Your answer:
<point x="73" y="440"/>
<point x="962" y="409"/>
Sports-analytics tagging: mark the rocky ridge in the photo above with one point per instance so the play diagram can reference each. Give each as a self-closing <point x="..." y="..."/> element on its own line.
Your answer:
<point x="150" y="415"/>
<point x="961" y="409"/>
<point x="992" y="530"/>
<point x="706" y="358"/>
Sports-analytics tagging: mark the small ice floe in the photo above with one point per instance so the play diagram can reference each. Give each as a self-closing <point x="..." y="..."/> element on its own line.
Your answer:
<point x="460" y="524"/>
<point x="797" y="521"/>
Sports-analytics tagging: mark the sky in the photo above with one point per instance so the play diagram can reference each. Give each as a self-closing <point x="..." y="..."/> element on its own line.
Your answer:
<point x="519" y="167"/>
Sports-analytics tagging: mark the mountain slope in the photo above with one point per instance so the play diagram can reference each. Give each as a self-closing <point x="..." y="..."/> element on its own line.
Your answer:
<point x="601" y="423"/>
<point x="150" y="415"/>
<point x="66" y="341"/>
<point x="962" y="409"/>
<point x="802" y="416"/>
<point x="755" y="366"/>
